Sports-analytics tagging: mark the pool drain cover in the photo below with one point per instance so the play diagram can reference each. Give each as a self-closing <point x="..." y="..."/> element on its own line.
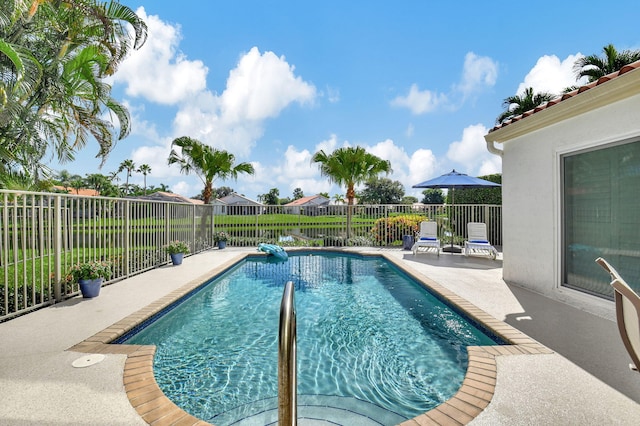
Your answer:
<point x="87" y="360"/>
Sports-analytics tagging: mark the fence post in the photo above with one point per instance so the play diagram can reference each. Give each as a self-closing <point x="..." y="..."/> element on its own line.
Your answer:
<point x="487" y="220"/>
<point x="126" y="240"/>
<point x="212" y="228"/>
<point x="57" y="248"/>
<point x="194" y="227"/>
<point x="386" y="221"/>
<point x="165" y="239"/>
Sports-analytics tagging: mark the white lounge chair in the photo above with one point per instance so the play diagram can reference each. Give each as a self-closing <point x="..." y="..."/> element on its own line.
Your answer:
<point x="627" y="313"/>
<point x="427" y="238"/>
<point x="477" y="242"/>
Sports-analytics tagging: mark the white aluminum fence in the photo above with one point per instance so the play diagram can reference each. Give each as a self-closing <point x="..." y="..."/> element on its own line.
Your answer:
<point x="44" y="234"/>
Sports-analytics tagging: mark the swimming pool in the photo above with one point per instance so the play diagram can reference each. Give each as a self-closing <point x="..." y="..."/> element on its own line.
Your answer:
<point x="368" y="336"/>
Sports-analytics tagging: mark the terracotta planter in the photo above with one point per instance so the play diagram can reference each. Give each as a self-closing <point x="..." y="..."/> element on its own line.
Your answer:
<point x="90" y="288"/>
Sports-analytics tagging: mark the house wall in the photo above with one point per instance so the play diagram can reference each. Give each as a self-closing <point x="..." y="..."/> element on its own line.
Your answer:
<point x="532" y="193"/>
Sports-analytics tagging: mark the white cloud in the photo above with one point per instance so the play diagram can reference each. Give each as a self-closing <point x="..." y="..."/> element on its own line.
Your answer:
<point x="551" y="75"/>
<point x="410" y="130"/>
<point x="261" y="86"/>
<point x="478" y="72"/>
<point x="422" y="166"/>
<point x="490" y="166"/>
<point x="388" y="150"/>
<point x="184" y="188"/>
<point x="158" y="71"/>
<point x="329" y="145"/>
<point x="333" y="94"/>
<point x="297" y="171"/>
<point x="472" y="154"/>
<point x="419" y="102"/>
<point x="257" y="89"/>
<point x="408" y="169"/>
<point x="156" y="158"/>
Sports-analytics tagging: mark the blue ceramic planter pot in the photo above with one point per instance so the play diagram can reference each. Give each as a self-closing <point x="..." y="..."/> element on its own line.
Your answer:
<point x="222" y="244"/>
<point x="90" y="288"/>
<point x="176" y="258"/>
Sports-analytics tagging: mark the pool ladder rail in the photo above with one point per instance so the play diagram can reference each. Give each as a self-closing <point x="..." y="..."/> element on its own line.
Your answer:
<point x="287" y="380"/>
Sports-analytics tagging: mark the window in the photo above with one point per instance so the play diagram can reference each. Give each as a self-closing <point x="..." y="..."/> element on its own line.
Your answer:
<point x="601" y="215"/>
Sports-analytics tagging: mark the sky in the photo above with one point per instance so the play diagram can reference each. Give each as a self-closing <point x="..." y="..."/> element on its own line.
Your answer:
<point x="415" y="82"/>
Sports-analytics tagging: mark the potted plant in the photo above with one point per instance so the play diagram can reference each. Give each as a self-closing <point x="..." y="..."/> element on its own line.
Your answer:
<point x="90" y="276"/>
<point x="220" y="238"/>
<point x="177" y="249"/>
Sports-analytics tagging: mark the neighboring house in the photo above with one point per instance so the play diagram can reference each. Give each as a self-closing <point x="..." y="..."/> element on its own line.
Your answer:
<point x="310" y="206"/>
<point x="85" y="192"/>
<point x="168" y="197"/>
<point x="82" y="209"/>
<point x="173" y="210"/>
<point x="570" y="191"/>
<point x="236" y="204"/>
<point x="219" y="206"/>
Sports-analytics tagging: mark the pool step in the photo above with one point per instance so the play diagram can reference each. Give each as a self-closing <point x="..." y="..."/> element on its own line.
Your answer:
<point x="313" y="410"/>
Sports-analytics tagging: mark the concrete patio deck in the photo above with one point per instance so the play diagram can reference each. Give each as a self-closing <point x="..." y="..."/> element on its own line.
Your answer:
<point x="585" y="381"/>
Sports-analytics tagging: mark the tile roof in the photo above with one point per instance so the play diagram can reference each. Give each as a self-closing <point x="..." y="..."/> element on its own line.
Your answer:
<point x="233" y="200"/>
<point x="87" y="192"/>
<point x="168" y="196"/>
<point x="303" y="200"/>
<point x="568" y="95"/>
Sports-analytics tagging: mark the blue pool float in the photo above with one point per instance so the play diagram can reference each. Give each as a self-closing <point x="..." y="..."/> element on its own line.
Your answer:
<point x="274" y="250"/>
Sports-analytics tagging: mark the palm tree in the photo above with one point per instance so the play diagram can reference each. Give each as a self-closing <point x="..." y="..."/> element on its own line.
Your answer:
<point x="348" y="167"/>
<point x="338" y="198"/>
<point x="98" y="182"/>
<point x="145" y="170"/>
<point x="14" y="180"/>
<point x="129" y="166"/>
<point x="64" y="179"/>
<point x="113" y="177"/>
<point x="77" y="184"/>
<point x="593" y="66"/>
<point x="517" y="104"/>
<point x="271" y="198"/>
<point x="206" y="162"/>
<point x="55" y="58"/>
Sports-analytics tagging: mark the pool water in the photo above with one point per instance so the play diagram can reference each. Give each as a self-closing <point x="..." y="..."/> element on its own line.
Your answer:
<point x="366" y="331"/>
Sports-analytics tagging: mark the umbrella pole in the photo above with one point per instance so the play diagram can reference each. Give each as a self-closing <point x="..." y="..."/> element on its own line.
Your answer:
<point x="453" y="197"/>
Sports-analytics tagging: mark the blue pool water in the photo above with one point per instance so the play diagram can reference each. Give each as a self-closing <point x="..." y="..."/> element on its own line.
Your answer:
<point x="366" y="331"/>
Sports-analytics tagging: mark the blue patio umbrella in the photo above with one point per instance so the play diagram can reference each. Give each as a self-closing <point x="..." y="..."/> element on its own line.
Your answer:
<point x="454" y="180"/>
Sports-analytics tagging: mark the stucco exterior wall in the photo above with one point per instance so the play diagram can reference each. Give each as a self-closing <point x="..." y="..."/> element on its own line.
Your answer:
<point x="532" y="185"/>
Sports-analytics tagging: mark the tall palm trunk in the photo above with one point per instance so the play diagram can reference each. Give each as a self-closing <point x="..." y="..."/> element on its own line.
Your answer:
<point x="206" y="214"/>
<point x="351" y="195"/>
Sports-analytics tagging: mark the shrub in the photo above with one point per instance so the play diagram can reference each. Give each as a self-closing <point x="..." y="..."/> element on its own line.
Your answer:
<point x="177" y="246"/>
<point x="389" y="229"/>
<point x="91" y="270"/>
<point x="220" y="236"/>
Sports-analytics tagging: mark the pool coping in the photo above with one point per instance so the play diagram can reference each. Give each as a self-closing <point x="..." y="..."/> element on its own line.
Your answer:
<point x="474" y="395"/>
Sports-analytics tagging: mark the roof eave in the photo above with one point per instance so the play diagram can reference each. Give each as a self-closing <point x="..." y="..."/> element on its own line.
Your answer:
<point x="625" y="85"/>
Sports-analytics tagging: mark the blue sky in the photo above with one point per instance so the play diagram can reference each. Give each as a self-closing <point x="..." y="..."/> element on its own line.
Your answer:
<point x="416" y="82"/>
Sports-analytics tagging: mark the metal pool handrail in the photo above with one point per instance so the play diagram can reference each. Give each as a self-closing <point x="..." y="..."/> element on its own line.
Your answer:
<point x="287" y="380"/>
